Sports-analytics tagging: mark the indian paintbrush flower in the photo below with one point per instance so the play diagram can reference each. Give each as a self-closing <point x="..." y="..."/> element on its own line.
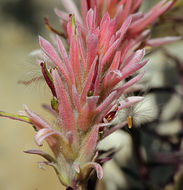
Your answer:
<point x="106" y="46"/>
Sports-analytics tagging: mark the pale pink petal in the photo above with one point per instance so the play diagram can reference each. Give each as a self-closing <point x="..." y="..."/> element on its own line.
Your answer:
<point x="105" y="21"/>
<point x="128" y="84"/>
<point x="112" y="40"/>
<point x="82" y="53"/>
<point x="110" y="51"/>
<point x="136" y="16"/>
<point x="136" y="5"/>
<point x="126" y="9"/>
<point x="106" y="102"/>
<point x="93" y="4"/>
<point x="104" y="28"/>
<point x="135" y="88"/>
<point x="116" y="61"/>
<point x="88" y="81"/>
<point x="133" y="68"/>
<point x="90" y="20"/>
<point x="88" y="146"/>
<point x="96" y="166"/>
<point x="65" y="110"/>
<point x="110" y="76"/>
<point x="36" y="119"/>
<point x="76" y="98"/>
<point x="62" y="15"/>
<point x="84" y="10"/>
<point x="74" y="59"/>
<point x="83" y="119"/>
<point x="124" y="51"/>
<point x="92" y="102"/>
<point x="137" y="56"/>
<point x="130" y="101"/>
<point x="41" y="124"/>
<point x="126" y="24"/>
<point x="134" y="25"/>
<point x="41" y="153"/>
<point x="132" y="64"/>
<point x="97" y="82"/>
<point x="65" y="58"/>
<point x="162" y="41"/>
<point x="51" y="53"/>
<point x="113" y="129"/>
<point x="110" y="33"/>
<point x="151" y="15"/>
<point x="72" y="9"/>
<point x="91" y="42"/>
<point x="119" y="12"/>
<point x="42" y="134"/>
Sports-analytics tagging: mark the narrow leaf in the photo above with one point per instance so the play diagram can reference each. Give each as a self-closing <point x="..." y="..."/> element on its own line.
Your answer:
<point x="15" y="117"/>
<point x="41" y="153"/>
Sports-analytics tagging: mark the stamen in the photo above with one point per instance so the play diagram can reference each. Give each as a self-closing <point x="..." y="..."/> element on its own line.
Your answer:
<point x="129" y="121"/>
<point x="110" y="116"/>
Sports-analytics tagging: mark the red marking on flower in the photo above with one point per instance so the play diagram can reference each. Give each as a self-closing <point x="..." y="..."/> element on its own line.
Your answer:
<point x="110" y="116"/>
<point x="47" y="79"/>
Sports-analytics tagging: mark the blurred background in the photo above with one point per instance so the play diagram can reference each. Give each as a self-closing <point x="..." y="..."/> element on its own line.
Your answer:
<point x="21" y="21"/>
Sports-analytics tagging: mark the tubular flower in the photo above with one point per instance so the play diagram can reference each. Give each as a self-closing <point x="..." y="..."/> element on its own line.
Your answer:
<point x="86" y="84"/>
<point x="119" y="11"/>
<point x="87" y="81"/>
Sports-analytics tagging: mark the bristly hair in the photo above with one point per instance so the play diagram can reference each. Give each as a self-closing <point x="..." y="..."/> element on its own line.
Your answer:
<point x="137" y="114"/>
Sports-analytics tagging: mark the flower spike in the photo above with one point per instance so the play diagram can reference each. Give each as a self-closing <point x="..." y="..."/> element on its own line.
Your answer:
<point x="88" y="80"/>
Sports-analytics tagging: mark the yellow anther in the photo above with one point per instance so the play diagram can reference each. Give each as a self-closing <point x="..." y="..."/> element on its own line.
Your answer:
<point x="109" y="118"/>
<point x="129" y="121"/>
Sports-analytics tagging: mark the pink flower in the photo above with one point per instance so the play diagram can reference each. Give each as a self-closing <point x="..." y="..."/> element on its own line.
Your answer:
<point x="85" y="85"/>
<point x="87" y="82"/>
